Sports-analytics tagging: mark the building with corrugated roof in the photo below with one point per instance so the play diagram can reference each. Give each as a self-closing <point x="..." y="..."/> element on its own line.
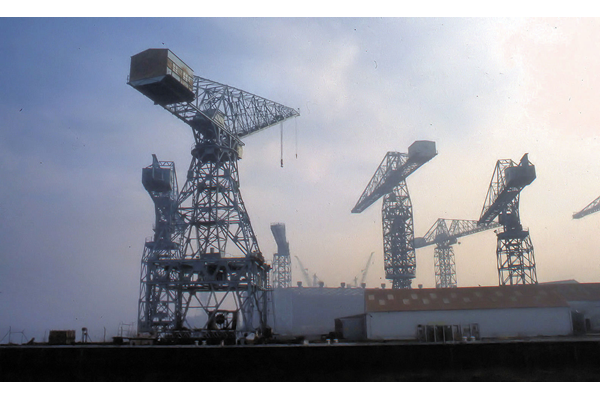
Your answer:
<point x="451" y="314"/>
<point x="470" y="313"/>
<point x="445" y="314"/>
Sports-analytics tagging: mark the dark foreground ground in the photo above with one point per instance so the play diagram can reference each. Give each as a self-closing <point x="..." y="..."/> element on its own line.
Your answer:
<point x="545" y="360"/>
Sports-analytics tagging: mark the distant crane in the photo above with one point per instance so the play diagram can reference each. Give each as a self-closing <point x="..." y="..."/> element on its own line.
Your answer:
<point x="309" y="282"/>
<point x="589" y="209"/>
<point x="514" y="251"/>
<point x="444" y="237"/>
<point x="389" y="182"/>
<point x="282" y="263"/>
<point x="363" y="272"/>
<point x="213" y="266"/>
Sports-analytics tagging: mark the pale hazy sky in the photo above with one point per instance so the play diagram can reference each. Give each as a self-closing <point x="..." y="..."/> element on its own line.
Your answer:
<point x="74" y="137"/>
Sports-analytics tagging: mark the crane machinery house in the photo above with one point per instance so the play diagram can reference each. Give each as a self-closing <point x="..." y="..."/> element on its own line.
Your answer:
<point x="162" y="76"/>
<point x="422" y="150"/>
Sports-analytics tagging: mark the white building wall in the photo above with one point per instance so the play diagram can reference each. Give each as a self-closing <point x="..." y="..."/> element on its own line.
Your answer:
<point x="311" y="312"/>
<point x="493" y="323"/>
<point x="590" y="310"/>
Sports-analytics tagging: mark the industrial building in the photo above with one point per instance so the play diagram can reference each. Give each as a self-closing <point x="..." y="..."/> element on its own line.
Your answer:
<point x="310" y="312"/>
<point x="470" y="313"/>
<point x="438" y="315"/>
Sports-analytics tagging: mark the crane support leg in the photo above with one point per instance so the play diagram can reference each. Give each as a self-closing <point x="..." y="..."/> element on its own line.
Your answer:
<point x="516" y="261"/>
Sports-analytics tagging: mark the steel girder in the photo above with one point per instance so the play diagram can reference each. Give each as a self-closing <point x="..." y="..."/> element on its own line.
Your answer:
<point x="591" y="208"/>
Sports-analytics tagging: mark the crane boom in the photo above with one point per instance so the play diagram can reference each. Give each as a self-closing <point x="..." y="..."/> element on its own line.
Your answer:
<point x="164" y="78"/>
<point x="236" y="111"/>
<point x="394" y="168"/>
<point x="444" y="237"/>
<point x="363" y="272"/>
<point x="304" y="271"/>
<point x="507" y="182"/>
<point x="283" y="247"/>
<point x="589" y="209"/>
<point x="440" y="232"/>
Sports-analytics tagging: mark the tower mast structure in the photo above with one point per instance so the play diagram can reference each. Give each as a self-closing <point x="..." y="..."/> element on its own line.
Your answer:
<point x="160" y="180"/>
<point x="213" y="284"/>
<point x="444" y="238"/>
<point x="389" y="182"/>
<point x="282" y="262"/>
<point x="514" y="250"/>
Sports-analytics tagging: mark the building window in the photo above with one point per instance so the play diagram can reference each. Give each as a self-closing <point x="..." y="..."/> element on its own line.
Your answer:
<point x="433" y="295"/>
<point x="390" y="297"/>
<point x="371" y="297"/>
<point x="414" y="296"/>
<point x="425" y="301"/>
<point x="382" y="302"/>
<point x="406" y="301"/>
<point x="446" y="301"/>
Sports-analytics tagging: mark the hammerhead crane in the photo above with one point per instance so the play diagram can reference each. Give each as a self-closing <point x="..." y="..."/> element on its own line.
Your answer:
<point x="389" y="182"/>
<point x="589" y="209"/>
<point x="444" y="237"/>
<point x="215" y="268"/>
<point x="514" y="251"/>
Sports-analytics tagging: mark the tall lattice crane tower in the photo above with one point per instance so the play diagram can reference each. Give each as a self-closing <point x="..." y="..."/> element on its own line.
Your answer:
<point x="389" y="182"/>
<point x="282" y="261"/>
<point x="444" y="238"/>
<point x="205" y="276"/>
<point x="514" y="250"/>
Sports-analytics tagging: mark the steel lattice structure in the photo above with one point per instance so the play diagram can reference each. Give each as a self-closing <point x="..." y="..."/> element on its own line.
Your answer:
<point x="444" y="237"/>
<point x="389" y="181"/>
<point x="514" y="250"/>
<point x="214" y="283"/>
<point x="591" y="208"/>
<point x="282" y="262"/>
<point x="160" y="180"/>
